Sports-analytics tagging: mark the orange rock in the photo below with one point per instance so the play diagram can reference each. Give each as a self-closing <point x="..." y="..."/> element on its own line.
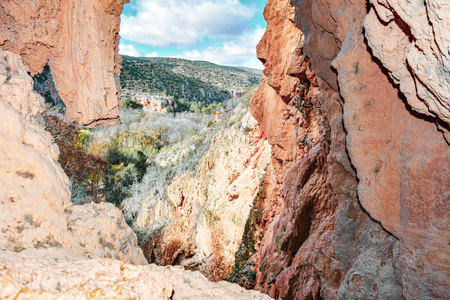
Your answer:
<point x="378" y="227"/>
<point x="80" y="44"/>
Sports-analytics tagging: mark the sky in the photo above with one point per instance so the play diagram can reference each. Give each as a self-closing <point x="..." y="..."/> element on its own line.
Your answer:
<point x="224" y="32"/>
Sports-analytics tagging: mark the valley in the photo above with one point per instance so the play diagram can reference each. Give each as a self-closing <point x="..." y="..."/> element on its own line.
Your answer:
<point x="323" y="177"/>
<point x="185" y="179"/>
<point x="157" y="80"/>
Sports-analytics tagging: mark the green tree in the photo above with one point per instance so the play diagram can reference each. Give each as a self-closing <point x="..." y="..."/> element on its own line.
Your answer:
<point x="128" y="103"/>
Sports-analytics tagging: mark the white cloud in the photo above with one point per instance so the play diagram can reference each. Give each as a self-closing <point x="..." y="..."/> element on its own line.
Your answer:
<point x="239" y="52"/>
<point x="129" y="50"/>
<point x="180" y="23"/>
<point x="154" y="54"/>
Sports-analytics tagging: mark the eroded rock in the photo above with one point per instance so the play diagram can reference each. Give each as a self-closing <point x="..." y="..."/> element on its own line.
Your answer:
<point x="411" y="41"/>
<point x="37" y="216"/>
<point x="80" y="44"/>
<point x="375" y="227"/>
<point x="402" y="167"/>
<point x="200" y="223"/>
<point x="28" y="278"/>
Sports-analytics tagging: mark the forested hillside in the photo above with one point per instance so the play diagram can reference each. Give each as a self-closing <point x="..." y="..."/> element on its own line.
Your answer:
<point x="193" y="81"/>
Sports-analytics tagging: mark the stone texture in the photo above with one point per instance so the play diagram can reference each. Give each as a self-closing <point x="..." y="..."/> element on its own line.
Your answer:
<point x="295" y="259"/>
<point x="32" y="278"/>
<point x="411" y="40"/>
<point x="375" y="228"/>
<point x="79" y="40"/>
<point x="28" y="278"/>
<point x="402" y="169"/>
<point x="37" y="216"/>
<point x="195" y="286"/>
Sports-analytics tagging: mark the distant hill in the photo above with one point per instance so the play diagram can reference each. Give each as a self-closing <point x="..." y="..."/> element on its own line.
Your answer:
<point x="193" y="81"/>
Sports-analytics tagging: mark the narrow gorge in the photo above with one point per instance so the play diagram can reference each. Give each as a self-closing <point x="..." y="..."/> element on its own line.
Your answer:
<point x="332" y="183"/>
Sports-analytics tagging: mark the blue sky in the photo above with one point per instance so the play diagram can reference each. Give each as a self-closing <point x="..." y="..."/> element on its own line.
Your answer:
<point x="220" y="31"/>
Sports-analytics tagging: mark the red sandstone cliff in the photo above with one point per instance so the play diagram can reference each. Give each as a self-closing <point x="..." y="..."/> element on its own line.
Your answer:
<point x="79" y="40"/>
<point x="355" y="103"/>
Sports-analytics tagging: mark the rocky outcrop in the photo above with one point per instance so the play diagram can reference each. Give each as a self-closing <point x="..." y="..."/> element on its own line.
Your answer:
<point x="52" y="249"/>
<point x="27" y="278"/>
<point x="37" y="216"/>
<point x="199" y="224"/>
<point x="356" y="211"/>
<point x="80" y="44"/>
<point x="153" y="105"/>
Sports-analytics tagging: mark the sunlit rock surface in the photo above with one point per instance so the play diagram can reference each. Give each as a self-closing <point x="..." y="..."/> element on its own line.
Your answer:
<point x="37" y="216"/>
<point x="356" y="211"/>
<point x="28" y="278"/>
<point x="411" y="40"/>
<point x="79" y="40"/>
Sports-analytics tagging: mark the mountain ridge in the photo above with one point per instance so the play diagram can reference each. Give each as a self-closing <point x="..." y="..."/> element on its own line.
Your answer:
<point x="163" y="77"/>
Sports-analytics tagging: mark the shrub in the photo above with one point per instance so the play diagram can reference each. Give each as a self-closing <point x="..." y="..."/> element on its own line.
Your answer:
<point x="137" y="145"/>
<point x="128" y="103"/>
<point x="84" y="169"/>
<point x="181" y="105"/>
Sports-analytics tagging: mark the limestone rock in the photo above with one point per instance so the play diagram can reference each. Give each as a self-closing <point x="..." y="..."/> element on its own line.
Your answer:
<point x="37" y="217"/>
<point x="412" y="42"/>
<point x="195" y="286"/>
<point x="402" y="168"/>
<point x="28" y="278"/>
<point x="80" y="44"/>
<point x="33" y="278"/>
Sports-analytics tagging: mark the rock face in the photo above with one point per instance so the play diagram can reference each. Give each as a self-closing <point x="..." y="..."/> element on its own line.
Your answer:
<point x="26" y="278"/>
<point x="361" y="211"/>
<point x="51" y="249"/>
<point x="201" y="221"/>
<point x="37" y="216"/>
<point x="411" y="41"/>
<point x="80" y="44"/>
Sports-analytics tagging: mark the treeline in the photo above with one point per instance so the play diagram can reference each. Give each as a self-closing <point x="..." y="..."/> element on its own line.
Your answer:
<point x="149" y="79"/>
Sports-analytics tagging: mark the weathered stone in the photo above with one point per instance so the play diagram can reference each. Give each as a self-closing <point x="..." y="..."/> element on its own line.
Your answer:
<point x="31" y="278"/>
<point x="411" y="40"/>
<point x="378" y="227"/>
<point x="80" y="44"/>
<point x="402" y="167"/>
<point x="37" y="217"/>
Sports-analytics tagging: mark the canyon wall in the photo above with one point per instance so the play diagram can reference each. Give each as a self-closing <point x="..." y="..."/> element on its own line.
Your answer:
<point x="199" y="222"/>
<point x="355" y="202"/>
<point x="355" y="103"/>
<point x="79" y="41"/>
